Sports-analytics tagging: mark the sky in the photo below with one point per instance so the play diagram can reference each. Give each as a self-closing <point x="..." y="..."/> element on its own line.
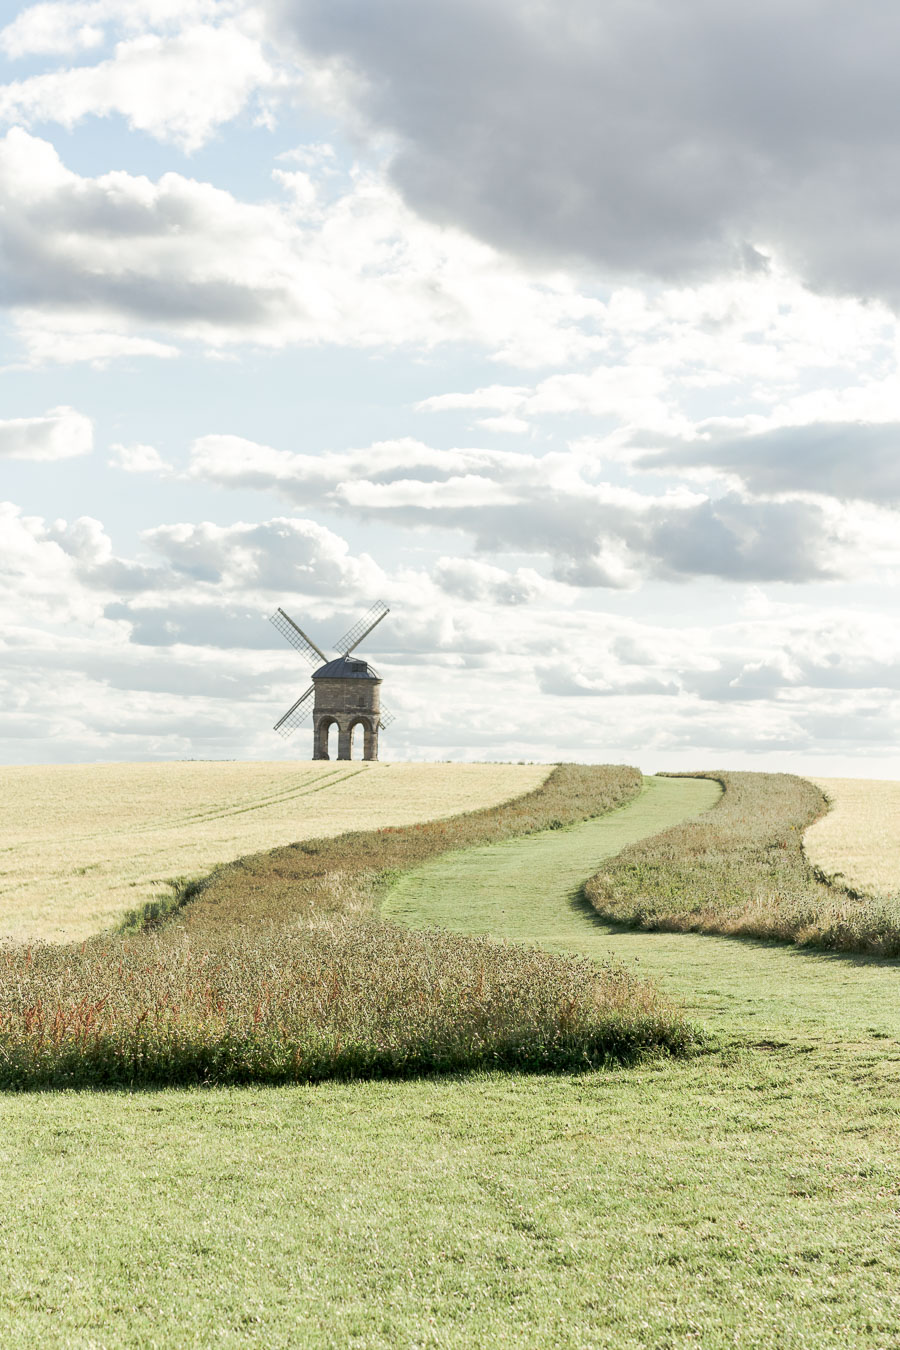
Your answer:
<point x="567" y="328"/>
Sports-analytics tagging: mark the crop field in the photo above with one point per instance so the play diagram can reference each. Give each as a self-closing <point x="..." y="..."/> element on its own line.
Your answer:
<point x="82" y="844"/>
<point x="858" y="841"/>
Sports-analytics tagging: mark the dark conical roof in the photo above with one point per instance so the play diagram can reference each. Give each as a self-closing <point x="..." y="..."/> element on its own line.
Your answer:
<point x="346" y="668"/>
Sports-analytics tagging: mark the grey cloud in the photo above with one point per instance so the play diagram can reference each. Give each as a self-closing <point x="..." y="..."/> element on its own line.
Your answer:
<point x="742" y="541"/>
<point x="470" y="580"/>
<point x="607" y="544"/>
<point x="131" y="672"/>
<point x="172" y="252"/>
<point x="664" y="139"/>
<point x="521" y="503"/>
<point x="196" y="625"/>
<point x="834" y="670"/>
<point x="286" y="554"/>
<point x="127" y="578"/>
<point x="848" y="460"/>
<point x="37" y="273"/>
<point x="871" y="725"/>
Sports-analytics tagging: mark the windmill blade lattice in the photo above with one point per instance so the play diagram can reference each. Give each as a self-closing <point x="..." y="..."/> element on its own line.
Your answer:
<point x="296" y="637"/>
<point x="354" y="636"/>
<point x="296" y="714"/>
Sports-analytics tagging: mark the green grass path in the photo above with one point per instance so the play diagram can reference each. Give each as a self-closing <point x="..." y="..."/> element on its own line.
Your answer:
<point x="521" y="888"/>
<point x="526" y="890"/>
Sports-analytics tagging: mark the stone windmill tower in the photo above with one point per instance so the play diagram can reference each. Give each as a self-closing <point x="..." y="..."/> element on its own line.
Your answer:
<point x="345" y="692"/>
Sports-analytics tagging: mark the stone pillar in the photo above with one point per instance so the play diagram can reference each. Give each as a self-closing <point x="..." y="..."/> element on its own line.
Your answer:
<point x="370" y="750"/>
<point x="321" y="729"/>
<point x="343" y="739"/>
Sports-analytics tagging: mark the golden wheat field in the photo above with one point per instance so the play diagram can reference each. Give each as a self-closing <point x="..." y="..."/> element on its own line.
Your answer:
<point x="80" y="844"/>
<point x="860" y="836"/>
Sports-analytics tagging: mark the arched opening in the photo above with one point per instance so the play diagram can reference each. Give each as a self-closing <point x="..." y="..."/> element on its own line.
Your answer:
<point x="358" y="740"/>
<point x="325" y="745"/>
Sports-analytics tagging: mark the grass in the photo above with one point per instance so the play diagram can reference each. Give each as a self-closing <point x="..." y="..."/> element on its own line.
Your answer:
<point x="750" y="1201"/>
<point x="345" y="1000"/>
<point x="858" y="841"/>
<point x="747" y="1196"/>
<point x="518" y="882"/>
<point x="742" y="871"/>
<point x="84" y="843"/>
<point x="278" y="971"/>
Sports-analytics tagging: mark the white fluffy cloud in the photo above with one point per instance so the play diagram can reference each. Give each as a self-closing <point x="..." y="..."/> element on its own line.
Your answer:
<point x="178" y="87"/>
<point x="61" y="27"/>
<point x="138" y="459"/>
<point x="58" y="434"/>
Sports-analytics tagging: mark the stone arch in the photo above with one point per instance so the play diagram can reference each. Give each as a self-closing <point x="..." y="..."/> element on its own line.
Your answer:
<point x="323" y="729"/>
<point x="370" y="736"/>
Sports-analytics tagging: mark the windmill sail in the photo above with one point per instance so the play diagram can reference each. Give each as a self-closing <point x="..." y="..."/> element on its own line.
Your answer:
<point x="296" y="714"/>
<point x="385" y="717"/>
<point x="354" y="636"/>
<point x="296" y="637"/>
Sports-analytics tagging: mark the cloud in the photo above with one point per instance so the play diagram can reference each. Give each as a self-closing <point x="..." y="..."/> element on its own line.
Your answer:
<point x="52" y="29"/>
<point x="139" y="459"/>
<point x="60" y="433"/>
<point x="177" y="88"/>
<point x="846" y="460"/>
<point x="632" y="393"/>
<point x="284" y="554"/>
<point x="178" y="251"/>
<point x="186" y="664"/>
<point x="471" y="579"/>
<point x="560" y="508"/>
<point x="71" y="338"/>
<point x="86" y="259"/>
<point x="39" y="569"/>
<point x="62" y="27"/>
<point x="663" y="140"/>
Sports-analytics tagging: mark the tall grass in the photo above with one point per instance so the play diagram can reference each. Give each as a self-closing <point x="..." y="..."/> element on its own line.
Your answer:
<point x="345" y="999"/>
<point x="279" y="970"/>
<point x="740" y="870"/>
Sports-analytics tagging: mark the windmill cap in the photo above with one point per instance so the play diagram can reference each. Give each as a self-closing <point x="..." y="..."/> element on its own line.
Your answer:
<point x="346" y="668"/>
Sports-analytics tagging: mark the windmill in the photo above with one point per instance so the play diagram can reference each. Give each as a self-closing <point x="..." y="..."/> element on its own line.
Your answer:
<point x="344" y="692"/>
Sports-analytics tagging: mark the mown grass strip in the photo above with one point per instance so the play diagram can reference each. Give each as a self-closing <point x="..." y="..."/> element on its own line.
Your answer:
<point x="279" y="972"/>
<point x="741" y="871"/>
<point x="524" y="889"/>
